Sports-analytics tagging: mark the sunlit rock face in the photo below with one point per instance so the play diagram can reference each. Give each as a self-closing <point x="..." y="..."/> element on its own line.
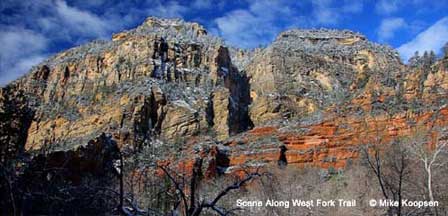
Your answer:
<point x="307" y="97"/>
<point x="158" y="80"/>
<point x="303" y="71"/>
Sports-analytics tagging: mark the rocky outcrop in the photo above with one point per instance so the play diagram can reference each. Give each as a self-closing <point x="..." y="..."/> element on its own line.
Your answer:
<point x="181" y="120"/>
<point x="154" y="81"/>
<point x="95" y="158"/>
<point x="70" y="180"/>
<point x="220" y="103"/>
<point x="330" y="145"/>
<point x="168" y="84"/>
<point x="307" y="70"/>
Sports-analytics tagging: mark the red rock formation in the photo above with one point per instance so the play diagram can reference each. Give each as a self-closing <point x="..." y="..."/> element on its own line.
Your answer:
<point x="332" y="143"/>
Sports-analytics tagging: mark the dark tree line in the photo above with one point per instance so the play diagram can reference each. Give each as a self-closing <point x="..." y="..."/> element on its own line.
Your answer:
<point x="428" y="58"/>
<point x="425" y="61"/>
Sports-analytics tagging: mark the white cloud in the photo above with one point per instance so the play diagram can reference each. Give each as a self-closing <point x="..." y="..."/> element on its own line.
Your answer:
<point x="239" y="27"/>
<point x="202" y="4"/>
<point x="258" y="24"/>
<point x="47" y="23"/>
<point x="81" y="21"/>
<point x="353" y="6"/>
<point x="389" y="26"/>
<point x="387" y="6"/>
<point x="324" y="13"/>
<point x="270" y="9"/>
<point x="21" y="49"/>
<point x="433" y="38"/>
<point x="171" y="9"/>
<point x="330" y="12"/>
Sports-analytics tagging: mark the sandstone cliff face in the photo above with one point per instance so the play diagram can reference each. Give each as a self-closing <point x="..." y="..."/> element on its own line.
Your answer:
<point x="331" y="144"/>
<point x="168" y="83"/>
<point x="307" y="70"/>
<point x="157" y="80"/>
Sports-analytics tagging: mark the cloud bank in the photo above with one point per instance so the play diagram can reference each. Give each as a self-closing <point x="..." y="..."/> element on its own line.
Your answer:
<point x="389" y="27"/>
<point x="433" y="38"/>
<point x="264" y="19"/>
<point x="21" y="49"/>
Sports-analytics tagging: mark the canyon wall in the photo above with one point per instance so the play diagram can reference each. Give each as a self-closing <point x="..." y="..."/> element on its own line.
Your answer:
<point x="312" y="96"/>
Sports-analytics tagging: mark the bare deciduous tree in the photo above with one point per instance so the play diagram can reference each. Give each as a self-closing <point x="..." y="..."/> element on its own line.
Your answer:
<point x="429" y="152"/>
<point x="190" y="201"/>
<point x="391" y="168"/>
<point x="390" y="163"/>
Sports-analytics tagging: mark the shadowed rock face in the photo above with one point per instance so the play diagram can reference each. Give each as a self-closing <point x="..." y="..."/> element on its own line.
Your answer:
<point x="168" y="82"/>
<point x="67" y="182"/>
<point x="95" y="158"/>
<point x="15" y="119"/>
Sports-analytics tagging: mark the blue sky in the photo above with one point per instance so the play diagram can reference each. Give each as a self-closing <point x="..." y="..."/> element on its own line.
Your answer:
<point x="33" y="30"/>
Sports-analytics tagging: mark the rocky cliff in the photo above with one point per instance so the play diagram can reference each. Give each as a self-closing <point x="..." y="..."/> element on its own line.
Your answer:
<point x="166" y="79"/>
<point x="304" y="71"/>
<point x="312" y="97"/>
